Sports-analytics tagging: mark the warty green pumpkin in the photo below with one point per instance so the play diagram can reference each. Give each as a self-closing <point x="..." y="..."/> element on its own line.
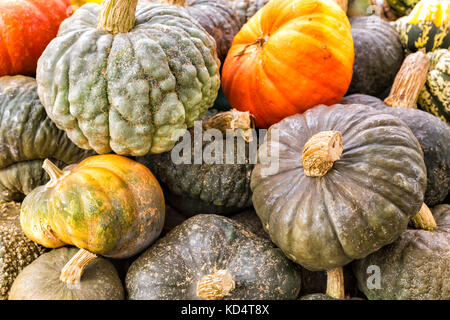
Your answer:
<point x="435" y="95"/>
<point x="211" y="257"/>
<point x="205" y="185"/>
<point x="402" y="7"/>
<point x="125" y="80"/>
<point x="27" y="137"/>
<point x="378" y="55"/>
<point x="40" y="280"/>
<point x="16" y="250"/>
<point x="415" y="266"/>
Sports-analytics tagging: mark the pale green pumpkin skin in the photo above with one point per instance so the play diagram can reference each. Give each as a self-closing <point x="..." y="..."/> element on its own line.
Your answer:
<point x="132" y="93"/>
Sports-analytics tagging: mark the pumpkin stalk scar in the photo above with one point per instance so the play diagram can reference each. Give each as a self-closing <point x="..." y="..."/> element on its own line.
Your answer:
<point x="335" y="283"/>
<point x="320" y="152"/>
<point x="258" y="42"/>
<point x="241" y="123"/>
<point x="73" y="270"/>
<point x="215" y="286"/>
<point x="424" y="219"/>
<point x="54" y="172"/>
<point x="117" y="16"/>
<point x="409" y="81"/>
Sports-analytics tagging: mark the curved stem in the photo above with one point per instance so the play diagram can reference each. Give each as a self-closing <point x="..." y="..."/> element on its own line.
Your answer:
<point x="215" y="286"/>
<point x="335" y="283"/>
<point x="53" y="171"/>
<point x="320" y="152"/>
<point x="424" y="219"/>
<point x="117" y="16"/>
<point x="73" y="270"/>
<point x="240" y="123"/>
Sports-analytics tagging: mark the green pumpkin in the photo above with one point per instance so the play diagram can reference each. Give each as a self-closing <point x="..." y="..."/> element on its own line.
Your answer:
<point x="357" y="8"/>
<point x="27" y="137"/>
<point x="324" y="219"/>
<point x="402" y="7"/>
<point x="212" y="257"/>
<point x="40" y="280"/>
<point x="435" y="95"/>
<point x="134" y="83"/>
<point x="16" y="250"/>
<point x="414" y="267"/>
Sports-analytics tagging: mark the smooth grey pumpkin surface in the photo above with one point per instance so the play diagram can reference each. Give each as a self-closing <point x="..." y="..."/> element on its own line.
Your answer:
<point x="16" y="250"/>
<point x="378" y="55"/>
<point x="131" y="93"/>
<point x="172" y="267"/>
<point x="40" y="280"/>
<point x="433" y="135"/>
<point x="27" y="137"/>
<point x="416" y="266"/>
<point x="361" y="204"/>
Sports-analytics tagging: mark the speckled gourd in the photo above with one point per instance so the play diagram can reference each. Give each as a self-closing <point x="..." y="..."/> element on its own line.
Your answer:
<point x="402" y="7"/>
<point x="27" y="137"/>
<point x="125" y="80"/>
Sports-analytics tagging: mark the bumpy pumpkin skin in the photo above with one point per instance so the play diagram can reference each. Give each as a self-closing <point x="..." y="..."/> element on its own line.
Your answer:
<point x="130" y="93"/>
<point x="245" y="9"/>
<point x="204" y="188"/>
<point x="27" y="27"/>
<point x="435" y="95"/>
<point x="16" y="250"/>
<point x="378" y="55"/>
<point x="40" y="280"/>
<point x="289" y="57"/>
<point x="414" y="267"/>
<point x="402" y="7"/>
<point x="433" y="136"/>
<point x="361" y="204"/>
<point x="172" y="267"/>
<point x="108" y="205"/>
<point x="27" y="136"/>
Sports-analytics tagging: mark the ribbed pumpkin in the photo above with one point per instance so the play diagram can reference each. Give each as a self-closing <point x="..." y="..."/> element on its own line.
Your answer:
<point x="435" y="95"/>
<point x="26" y="29"/>
<point x="131" y="83"/>
<point x="415" y="266"/>
<point x="245" y="9"/>
<point x="427" y="26"/>
<point x="378" y="55"/>
<point x="218" y="182"/>
<point x="27" y="137"/>
<point x="289" y="57"/>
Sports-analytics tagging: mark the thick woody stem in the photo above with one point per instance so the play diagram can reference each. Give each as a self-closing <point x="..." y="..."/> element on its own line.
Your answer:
<point x="335" y="283"/>
<point x="409" y="81"/>
<point x="240" y="123"/>
<point x="320" y="152"/>
<point x="424" y="219"/>
<point x="117" y="16"/>
<point x="215" y="286"/>
<point x="73" y="270"/>
<point x="54" y="172"/>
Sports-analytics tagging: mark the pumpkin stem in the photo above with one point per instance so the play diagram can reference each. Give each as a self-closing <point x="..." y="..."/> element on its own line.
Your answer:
<point x="117" y="16"/>
<point x="241" y="123"/>
<point x="320" y="152"/>
<point x="73" y="270"/>
<point x="424" y="219"/>
<point x="335" y="283"/>
<point x="258" y="42"/>
<point x="215" y="286"/>
<point x="54" y="172"/>
<point x="409" y="81"/>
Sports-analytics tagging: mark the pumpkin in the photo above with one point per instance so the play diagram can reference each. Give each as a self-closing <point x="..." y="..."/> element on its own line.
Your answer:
<point x="378" y="55"/>
<point x="245" y="9"/>
<point x="79" y="3"/>
<point x="435" y="95"/>
<point x="415" y="266"/>
<point x="337" y="183"/>
<point x="219" y="181"/>
<point x="27" y="137"/>
<point x="16" y="250"/>
<point x="357" y="8"/>
<point x="27" y="27"/>
<point x="427" y="26"/>
<point x="432" y="133"/>
<point x="132" y="83"/>
<point x="289" y="57"/>
<point x="216" y="16"/>
<point x="402" y="7"/>
<point x="250" y="220"/>
<point x="212" y="257"/>
<point x="40" y="280"/>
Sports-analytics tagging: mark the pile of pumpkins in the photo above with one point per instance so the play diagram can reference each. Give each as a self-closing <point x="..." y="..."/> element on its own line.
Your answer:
<point x="95" y="97"/>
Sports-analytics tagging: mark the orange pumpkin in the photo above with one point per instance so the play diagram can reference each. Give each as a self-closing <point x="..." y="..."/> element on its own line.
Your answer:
<point x="289" y="57"/>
